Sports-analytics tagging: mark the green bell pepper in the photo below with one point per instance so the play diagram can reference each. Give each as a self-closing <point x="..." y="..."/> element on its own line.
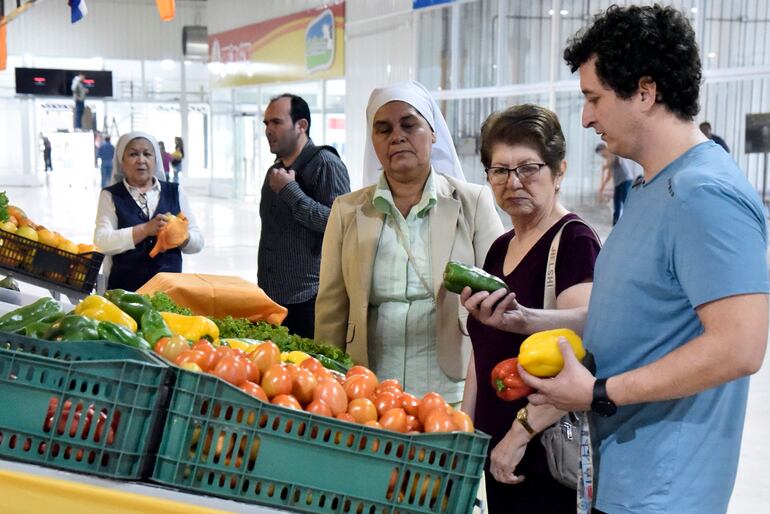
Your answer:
<point x="37" y="329"/>
<point x="44" y="309"/>
<point x="110" y="331"/>
<point x="73" y="327"/>
<point x="133" y="304"/>
<point x="154" y="326"/>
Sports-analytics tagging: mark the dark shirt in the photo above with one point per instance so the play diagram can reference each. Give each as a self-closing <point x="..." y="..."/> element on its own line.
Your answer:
<point x="106" y="152"/>
<point x="293" y="223"/>
<point x="578" y="249"/>
<point x="721" y="142"/>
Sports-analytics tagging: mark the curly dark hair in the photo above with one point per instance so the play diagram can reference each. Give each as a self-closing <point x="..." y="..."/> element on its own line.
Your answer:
<point x="525" y="124"/>
<point x="633" y="42"/>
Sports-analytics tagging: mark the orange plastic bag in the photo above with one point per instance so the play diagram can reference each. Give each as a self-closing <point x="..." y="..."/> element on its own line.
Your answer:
<point x="217" y="296"/>
<point x="172" y="235"/>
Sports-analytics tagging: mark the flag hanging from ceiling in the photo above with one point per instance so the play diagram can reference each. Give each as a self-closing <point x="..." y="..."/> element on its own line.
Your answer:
<point x="3" y="48"/>
<point x="166" y="9"/>
<point x="78" y="9"/>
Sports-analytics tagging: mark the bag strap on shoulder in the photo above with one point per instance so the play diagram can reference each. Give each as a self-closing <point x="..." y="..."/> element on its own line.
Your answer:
<point x="549" y="294"/>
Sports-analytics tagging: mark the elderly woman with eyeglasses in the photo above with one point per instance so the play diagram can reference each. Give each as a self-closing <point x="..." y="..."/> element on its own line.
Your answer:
<point x="132" y="210"/>
<point x="522" y="149"/>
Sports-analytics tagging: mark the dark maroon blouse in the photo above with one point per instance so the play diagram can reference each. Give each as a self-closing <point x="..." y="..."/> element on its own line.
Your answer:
<point x="539" y="493"/>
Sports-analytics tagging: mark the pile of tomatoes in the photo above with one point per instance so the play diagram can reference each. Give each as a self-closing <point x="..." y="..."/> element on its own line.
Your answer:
<point x="357" y="397"/>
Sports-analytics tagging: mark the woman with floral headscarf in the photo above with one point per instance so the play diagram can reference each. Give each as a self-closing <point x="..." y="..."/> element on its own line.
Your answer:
<point x="133" y="209"/>
<point x="385" y="247"/>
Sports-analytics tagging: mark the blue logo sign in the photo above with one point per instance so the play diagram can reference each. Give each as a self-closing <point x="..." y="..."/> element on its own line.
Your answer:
<point x="320" y="42"/>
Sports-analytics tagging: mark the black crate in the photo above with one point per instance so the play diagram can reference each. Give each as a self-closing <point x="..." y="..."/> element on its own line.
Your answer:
<point x="22" y="256"/>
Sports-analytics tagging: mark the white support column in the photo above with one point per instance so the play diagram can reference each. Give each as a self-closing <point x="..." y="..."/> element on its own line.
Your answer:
<point x="183" y="112"/>
<point x="554" y="53"/>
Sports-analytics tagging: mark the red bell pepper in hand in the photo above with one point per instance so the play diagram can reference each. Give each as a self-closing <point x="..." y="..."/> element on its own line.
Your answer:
<point x="506" y="381"/>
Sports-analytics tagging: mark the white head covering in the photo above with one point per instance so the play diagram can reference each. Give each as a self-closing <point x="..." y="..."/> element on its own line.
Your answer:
<point x="117" y="170"/>
<point x="443" y="155"/>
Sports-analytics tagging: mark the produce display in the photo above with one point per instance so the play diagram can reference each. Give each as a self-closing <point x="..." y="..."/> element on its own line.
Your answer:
<point x="33" y="250"/>
<point x="457" y="276"/>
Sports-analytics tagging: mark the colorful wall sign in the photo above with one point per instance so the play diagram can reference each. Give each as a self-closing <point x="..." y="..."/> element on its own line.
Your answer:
<point x="306" y="45"/>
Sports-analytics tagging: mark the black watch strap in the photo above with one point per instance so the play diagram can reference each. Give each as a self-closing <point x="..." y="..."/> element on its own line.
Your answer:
<point x="602" y="404"/>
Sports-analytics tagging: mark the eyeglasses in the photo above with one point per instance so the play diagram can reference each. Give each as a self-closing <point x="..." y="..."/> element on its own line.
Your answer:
<point x="498" y="175"/>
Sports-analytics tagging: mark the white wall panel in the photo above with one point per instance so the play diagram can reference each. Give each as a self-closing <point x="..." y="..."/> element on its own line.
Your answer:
<point x="116" y="29"/>
<point x="379" y="50"/>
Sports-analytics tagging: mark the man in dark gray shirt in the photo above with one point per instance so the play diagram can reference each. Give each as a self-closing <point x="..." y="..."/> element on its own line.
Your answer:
<point x="297" y="195"/>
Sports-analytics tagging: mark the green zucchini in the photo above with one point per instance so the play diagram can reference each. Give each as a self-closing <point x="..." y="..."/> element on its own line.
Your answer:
<point x="458" y="275"/>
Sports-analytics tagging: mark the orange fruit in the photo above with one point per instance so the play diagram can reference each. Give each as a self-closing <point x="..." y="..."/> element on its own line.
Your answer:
<point x="16" y="212"/>
<point x="47" y="237"/>
<point x="14" y="220"/>
<point x="68" y="246"/>
<point x="85" y="248"/>
<point x="26" y="222"/>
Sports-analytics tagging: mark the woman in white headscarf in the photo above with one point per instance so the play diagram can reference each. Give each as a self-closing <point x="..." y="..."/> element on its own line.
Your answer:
<point x="385" y="247"/>
<point x="133" y="209"/>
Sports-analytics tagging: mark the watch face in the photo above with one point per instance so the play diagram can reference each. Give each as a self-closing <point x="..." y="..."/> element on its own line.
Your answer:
<point x="604" y="407"/>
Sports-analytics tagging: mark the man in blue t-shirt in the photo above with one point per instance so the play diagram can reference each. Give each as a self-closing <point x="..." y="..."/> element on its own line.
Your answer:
<point x="678" y="316"/>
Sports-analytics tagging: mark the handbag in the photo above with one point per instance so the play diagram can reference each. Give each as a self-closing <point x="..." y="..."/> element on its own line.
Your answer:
<point x="562" y="440"/>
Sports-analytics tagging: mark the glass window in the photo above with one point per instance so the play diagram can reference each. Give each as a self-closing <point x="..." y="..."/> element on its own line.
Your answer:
<point x="433" y="48"/>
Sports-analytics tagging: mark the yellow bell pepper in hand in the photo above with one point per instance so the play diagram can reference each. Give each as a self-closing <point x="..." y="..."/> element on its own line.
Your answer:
<point x="100" y="308"/>
<point x="539" y="354"/>
<point x="191" y="327"/>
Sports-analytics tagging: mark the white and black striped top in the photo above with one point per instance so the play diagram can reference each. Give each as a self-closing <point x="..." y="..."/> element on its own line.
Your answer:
<point x="293" y="224"/>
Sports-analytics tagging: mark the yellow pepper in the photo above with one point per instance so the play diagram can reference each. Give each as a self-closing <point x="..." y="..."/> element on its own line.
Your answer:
<point x="191" y="327"/>
<point x="100" y="308"/>
<point x="247" y="345"/>
<point x="539" y="353"/>
<point x="294" y="357"/>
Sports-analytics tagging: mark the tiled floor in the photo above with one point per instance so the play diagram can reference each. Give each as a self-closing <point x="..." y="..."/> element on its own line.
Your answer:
<point x="67" y="203"/>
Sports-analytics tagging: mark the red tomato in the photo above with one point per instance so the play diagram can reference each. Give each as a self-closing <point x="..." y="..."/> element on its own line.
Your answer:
<point x="276" y="380"/>
<point x="332" y="394"/>
<point x="373" y="424"/>
<point x="362" y="410"/>
<point x="346" y="417"/>
<point x="193" y="356"/>
<point x="303" y="385"/>
<point x="394" y="419"/>
<point x="160" y="345"/>
<point x="314" y="365"/>
<point x="462" y="421"/>
<point x="359" y="386"/>
<point x="172" y="347"/>
<point x="430" y="402"/>
<point x="292" y="368"/>
<point x="265" y="355"/>
<point x="230" y="369"/>
<point x="413" y="424"/>
<point x="254" y="390"/>
<point x="252" y="371"/>
<point x="287" y="400"/>
<point x="319" y="407"/>
<point x="410" y="403"/>
<point x="211" y="354"/>
<point x="438" y="420"/>
<point x="391" y="384"/>
<point x="362" y="370"/>
<point x="386" y="401"/>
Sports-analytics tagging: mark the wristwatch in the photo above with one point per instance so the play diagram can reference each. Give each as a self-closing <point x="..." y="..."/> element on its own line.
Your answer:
<point x="521" y="417"/>
<point x="602" y="405"/>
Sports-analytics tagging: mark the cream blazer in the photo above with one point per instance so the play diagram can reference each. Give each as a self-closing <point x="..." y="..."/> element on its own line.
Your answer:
<point x="463" y="225"/>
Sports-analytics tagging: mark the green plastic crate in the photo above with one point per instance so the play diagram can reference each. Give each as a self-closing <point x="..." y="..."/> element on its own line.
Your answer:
<point x="93" y="407"/>
<point x="222" y="442"/>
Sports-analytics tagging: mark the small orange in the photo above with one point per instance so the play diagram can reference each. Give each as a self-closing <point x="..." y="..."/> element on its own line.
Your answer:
<point x="68" y="246"/>
<point x="85" y="248"/>
<point x="16" y="212"/>
<point x="26" y="222"/>
<point x="47" y="237"/>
